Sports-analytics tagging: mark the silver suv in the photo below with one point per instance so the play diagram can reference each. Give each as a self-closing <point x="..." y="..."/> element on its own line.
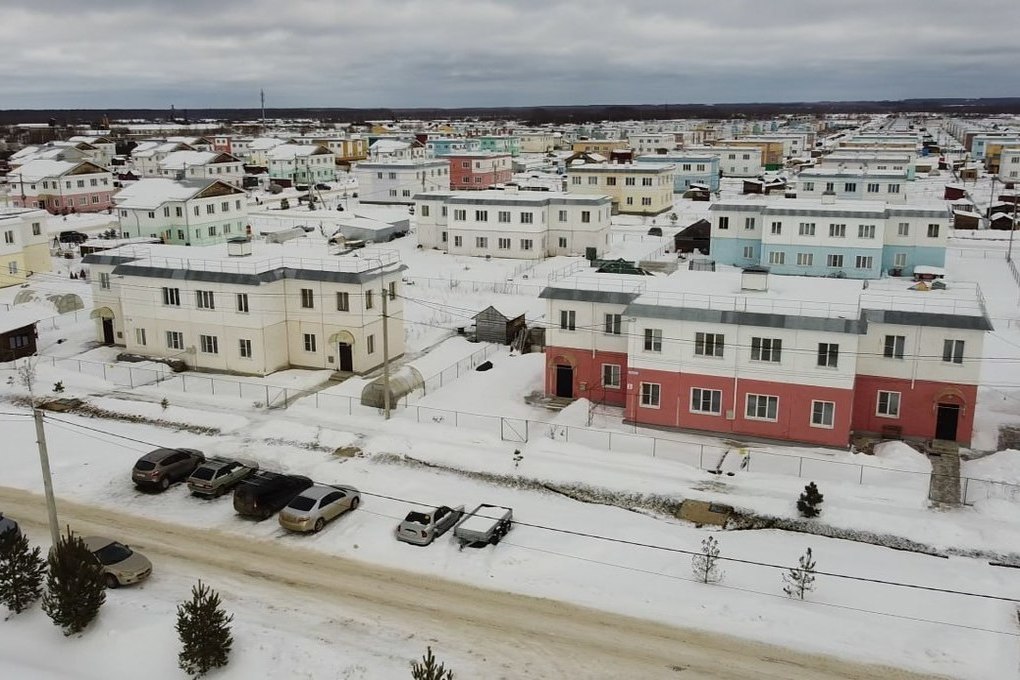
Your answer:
<point x="218" y="475"/>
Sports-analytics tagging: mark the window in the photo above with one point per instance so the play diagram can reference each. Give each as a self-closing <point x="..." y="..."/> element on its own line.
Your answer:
<point x="865" y="231"/>
<point x="777" y="257"/>
<point x="307" y="298"/>
<point x="209" y="344"/>
<point x="646" y="181"/>
<point x="503" y="244"/>
<point x="210" y="209"/>
<point x="611" y="181"/>
<point x="562" y="216"/>
<point x="504" y="216"/>
<point x="225" y="206"/>
<point x="8" y="237"/>
<point x="568" y="319"/>
<point x="172" y="297"/>
<point x="195" y="210"/>
<point x="863" y="262"/>
<point x="481" y="242"/>
<point x="837" y="230"/>
<point x="611" y="375"/>
<point x="104" y="278"/>
<point x="140" y="336"/>
<point x="777" y="228"/>
<point x="850" y="187"/>
<point x="805" y="259"/>
<point x="309" y="342"/>
<point x="828" y="354"/>
<point x="593" y="180"/>
<point x="368" y="298"/>
<point x="807" y="229"/>
<point x="526" y="244"/>
<point x="762" y="407"/>
<point x="36" y="228"/>
<point x="893" y="346"/>
<point x="748" y="223"/>
<point x="370" y="344"/>
<point x="585" y="216"/>
<point x="952" y="351"/>
<point x="900" y="260"/>
<point x="894" y="188"/>
<point x="12" y="267"/>
<point x="903" y="229"/>
<point x="459" y="215"/>
<point x="527" y="218"/>
<point x="629" y="181"/>
<point x="706" y="401"/>
<point x="212" y="230"/>
<point x="653" y="340"/>
<point x="873" y="187"/>
<point x="645" y="200"/>
<point x="575" y="180"/>
<point x="888" y="404"/>
<point x="443" y="237"/>
<point x="822" y="413"/>
<point x="204" y="299"/>
<point x="834" y="261"/>
<point x="562" y="241"/>
<point x="766" y="349"/>
<point x="724" y="223"/>
<point x="391" y="289"/>
<point x="809" y="186"/>
<point x="242" y="302"/>
<point x="650" y="393"/>
<point x="458" y="241"/>
<point x="343" y="302"/>
<point x="613" y="324"/>
<point x="933" y="231"/>
<point x="174" y="340"/>
<point x="748" y="252"/>
<point x="424" y="211"/>
<point x="481" y="216"/>
<point x="830" y="187"/>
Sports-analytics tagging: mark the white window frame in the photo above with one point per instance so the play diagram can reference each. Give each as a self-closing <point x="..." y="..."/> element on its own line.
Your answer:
<point x="893" y="401"/>
<point x="614" y="376"/>
<point x="827" y="413"/>
<point x="698" y="395"/>
<point x="771" y="403"/>
<point x="650" y="395"/>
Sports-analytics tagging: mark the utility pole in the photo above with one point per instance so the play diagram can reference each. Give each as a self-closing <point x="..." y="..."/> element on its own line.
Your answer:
<point x="1012" y="227"/>
<point x="44" y="461"/>
<point x="262" y="99"/>
<point x="385" y="352"/>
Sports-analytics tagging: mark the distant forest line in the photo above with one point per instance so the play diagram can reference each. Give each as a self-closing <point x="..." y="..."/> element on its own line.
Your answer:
<point x="529" y="114"/>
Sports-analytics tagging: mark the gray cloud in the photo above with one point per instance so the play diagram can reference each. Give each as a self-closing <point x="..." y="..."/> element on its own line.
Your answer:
<point x="369" y="53"/>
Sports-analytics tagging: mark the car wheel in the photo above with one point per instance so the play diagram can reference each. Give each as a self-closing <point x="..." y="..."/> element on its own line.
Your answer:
<point x="494" y="539"/>
<point x="164" y="484"/>
<point x="112" y="582"/>
<point x="355" y="502"/>
<point x="319" y="523"/>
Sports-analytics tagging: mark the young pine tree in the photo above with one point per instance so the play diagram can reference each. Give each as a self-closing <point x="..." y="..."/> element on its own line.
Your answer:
<point x="429" y="670"/>
<point x="204" y="629"/>
<point x="809" y="501"/>
<point x="800" y="580"/>
<point x="75" y="587"/>
<point x="21" y="571"/>
<point x="705" y="566"/>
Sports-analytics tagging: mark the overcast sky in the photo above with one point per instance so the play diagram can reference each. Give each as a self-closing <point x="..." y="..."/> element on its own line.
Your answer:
<point x="450" y="53"/>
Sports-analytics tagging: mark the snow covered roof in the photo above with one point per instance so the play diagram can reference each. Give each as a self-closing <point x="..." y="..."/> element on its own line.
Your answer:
<point x="20" y="316"/>
<point x="286" y="152"/>
<point x="36" y="170"/>
<point x="389" y="146"/>
<point x="149" y="149"/>
<point x="179" y="160"/>
<point x="839" y="208"/>
<point x="264" y="143"/>
<point x="150" y="193"/>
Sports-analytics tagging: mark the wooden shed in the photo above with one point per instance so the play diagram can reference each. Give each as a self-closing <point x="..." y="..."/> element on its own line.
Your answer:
<point x="17" y="333"/>
<point x="965" y="219"/>
<point x="694" y="238"/>
<point x="492" y="325"/>
<point x="954" y="192"/>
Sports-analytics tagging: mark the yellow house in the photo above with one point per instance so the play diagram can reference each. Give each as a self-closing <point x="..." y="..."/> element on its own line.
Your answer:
<point x="603" y="147"/>
<point x="635" y="188"/>
<point x="24" y="245"/>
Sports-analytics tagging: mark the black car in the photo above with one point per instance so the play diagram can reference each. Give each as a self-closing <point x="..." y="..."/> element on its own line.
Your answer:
<point x="72" y="237"/>
<point x="265" y="493"/>
<point x="162" y="467"/>
<point x="322" y="187"/>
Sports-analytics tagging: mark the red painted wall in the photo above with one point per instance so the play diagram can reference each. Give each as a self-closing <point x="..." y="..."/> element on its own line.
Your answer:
<point x="587" y="370"/>
<point x="464" y="178"/>
<point x="918" y="405"/>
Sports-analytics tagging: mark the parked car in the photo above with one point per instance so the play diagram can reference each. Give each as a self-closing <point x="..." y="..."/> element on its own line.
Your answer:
<point x="485" y="524"/>
<point x="162" y="467"/>
<point x="301" y="187"/>
<point x="322" y="187"/>
<point x="264" y="493"/>
<point x="122" y="566"/>
<point x="317" y="505"/>
<point x="655" y="231"/>
<point x="8" y="524"/>
<point x="72" y="237"/>
<point x="218" y="475"/>
<point x="421" y="527"/>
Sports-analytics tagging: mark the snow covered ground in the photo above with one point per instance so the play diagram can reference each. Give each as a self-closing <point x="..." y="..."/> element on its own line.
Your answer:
<point x="560" y="550"/>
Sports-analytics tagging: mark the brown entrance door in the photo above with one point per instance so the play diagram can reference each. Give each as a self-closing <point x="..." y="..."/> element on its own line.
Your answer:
<point x="564" y="381"/>
<point x="107" y="331"/>
<point x="346" y="357"/>
<point x="946" y="420"/>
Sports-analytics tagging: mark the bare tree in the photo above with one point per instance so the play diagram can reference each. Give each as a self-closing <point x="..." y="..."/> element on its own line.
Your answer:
<point x="705" y="566"/>
<point x="800" y="580"/>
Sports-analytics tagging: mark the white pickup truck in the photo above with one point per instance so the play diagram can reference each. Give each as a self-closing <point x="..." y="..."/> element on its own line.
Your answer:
<point x="485" y="524"/>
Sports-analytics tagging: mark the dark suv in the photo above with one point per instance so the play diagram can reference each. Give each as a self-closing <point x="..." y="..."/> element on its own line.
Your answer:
<point x="72" y="237"/>
<point x="265" y="493"/>
<point x="162" y="467"/>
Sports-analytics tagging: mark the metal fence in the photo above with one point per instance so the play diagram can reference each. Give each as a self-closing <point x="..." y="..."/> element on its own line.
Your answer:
<point x="500" y="287"/>
<point x="120" y="374"/>
<point x="453" y="372"/>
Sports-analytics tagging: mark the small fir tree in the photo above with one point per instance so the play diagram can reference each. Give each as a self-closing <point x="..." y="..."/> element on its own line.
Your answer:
<point x="705" y="566"/>
<point x="809" y="501"/>
<point x="75" y="586"/>
<point x="21" y="571"/>
<point x="164" y="403"/>
<point x="58" y="386"/>
<point x="428" y="669"/>
<point x="204" y="629"/>
<point x="800" y="580"/>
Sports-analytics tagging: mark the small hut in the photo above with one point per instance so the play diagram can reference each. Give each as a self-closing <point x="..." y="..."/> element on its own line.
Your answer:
<point x="965" y="219"/>
<point x="694" y="238"/>
<point x="954" y="192"/>
<point x="492" y="325"/>
<point x="18" y="332"/>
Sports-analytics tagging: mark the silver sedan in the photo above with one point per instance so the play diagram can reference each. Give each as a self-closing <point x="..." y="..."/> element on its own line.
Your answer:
<point x="317" y="505"/>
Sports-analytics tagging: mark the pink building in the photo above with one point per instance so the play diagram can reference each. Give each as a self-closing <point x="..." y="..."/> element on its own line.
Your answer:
<point x="62" y="186"/>
<point x="475" y="170"/>
<point x="783" y="358"/>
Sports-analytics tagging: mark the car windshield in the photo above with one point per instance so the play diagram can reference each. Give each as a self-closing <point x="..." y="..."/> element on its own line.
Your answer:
<point x="302" y="503"/>
<point x="145" y="465"/>
<point x="113" y="553"/>
<point x="203" y="473"/>
<point x="417" y="518"/>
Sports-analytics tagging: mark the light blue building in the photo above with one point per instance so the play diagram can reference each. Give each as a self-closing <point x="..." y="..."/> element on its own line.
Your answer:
<point x="444" y="146"/>
<point x="690" y="169"/>
<point x="851" y="239"/>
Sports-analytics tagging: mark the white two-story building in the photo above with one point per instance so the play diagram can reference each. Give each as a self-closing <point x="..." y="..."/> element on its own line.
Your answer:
<point x="888" y="186"/>
<point x="188" y="212"/>
<point x="24" y="245"/>
<point x="397" y="181"/>
<point x="202" y="165"/>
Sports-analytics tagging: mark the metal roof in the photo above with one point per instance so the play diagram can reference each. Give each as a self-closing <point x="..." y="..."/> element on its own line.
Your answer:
<point x="585" y="295"/>
<point x="806" y="323"/>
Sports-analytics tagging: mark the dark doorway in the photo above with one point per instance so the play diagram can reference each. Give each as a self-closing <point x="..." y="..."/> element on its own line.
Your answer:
<point x="946" y="421"/>
<point x="107" y="331"/>
<point x="590" y="254"/>
<point x="346" y="357"/>
<point x="565" y="381"/>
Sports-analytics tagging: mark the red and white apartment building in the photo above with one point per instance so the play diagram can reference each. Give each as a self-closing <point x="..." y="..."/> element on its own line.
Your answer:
<point x="477" y="170"/>
<point x="783" y="358"/>
<point x="61" y="187"/>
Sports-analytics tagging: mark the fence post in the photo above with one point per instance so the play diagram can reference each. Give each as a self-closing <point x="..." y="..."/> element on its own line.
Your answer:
<point x="267" y="396"/>
<point x="655" y="441"/>
<point x="701" y="457"/>
<point x="240" y="392"/>
<point x="104" y="371"/>
<point x="862" y="476"/>
<point x="800" y="467"/>
<point x="610" y="441"/>
<point x="131" y="377"/>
